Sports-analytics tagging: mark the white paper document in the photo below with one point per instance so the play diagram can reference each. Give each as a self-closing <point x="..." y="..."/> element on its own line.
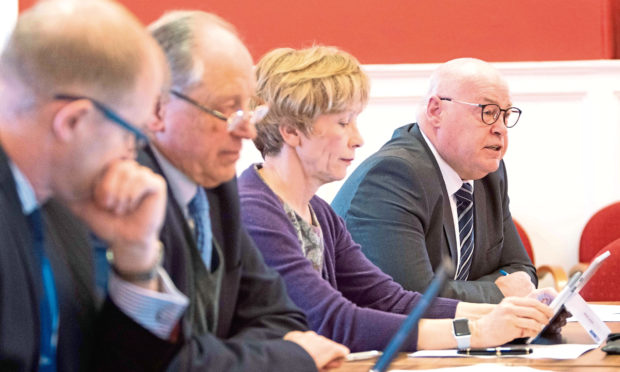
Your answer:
<point x="560" y="351"/>
<point x="607" y="313"/>
<point x="483" y="367"/>
<point x="588" y="319"/>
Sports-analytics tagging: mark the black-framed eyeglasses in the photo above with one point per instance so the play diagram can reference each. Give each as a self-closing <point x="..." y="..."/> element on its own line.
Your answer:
<point x="491" y="112"/>
<point x="141" y="140"/>
<point x="232" y="121"/>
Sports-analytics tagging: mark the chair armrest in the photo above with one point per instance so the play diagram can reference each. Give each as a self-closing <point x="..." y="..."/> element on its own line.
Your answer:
<point x="557" y="273"/>
<point x="580" y="267"/>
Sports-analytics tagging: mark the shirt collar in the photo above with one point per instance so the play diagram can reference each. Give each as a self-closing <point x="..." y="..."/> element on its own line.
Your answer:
<point x="25" y="191"/>
<point x="182" y="187"/>
<point x="451" y="179"/>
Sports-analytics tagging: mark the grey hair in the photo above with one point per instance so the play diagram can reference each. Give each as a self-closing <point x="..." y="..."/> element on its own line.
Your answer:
<point x="177" y="34"/>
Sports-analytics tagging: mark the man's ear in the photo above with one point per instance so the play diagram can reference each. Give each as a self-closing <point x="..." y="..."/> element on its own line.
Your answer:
<point x="70" y="118"/>
<point x="290" y="134"/>
<point x="159" y="113"/>
<point x="434" y="110"/>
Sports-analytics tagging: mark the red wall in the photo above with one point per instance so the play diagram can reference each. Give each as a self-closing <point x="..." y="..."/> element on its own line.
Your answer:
<point x="418" y="31"/>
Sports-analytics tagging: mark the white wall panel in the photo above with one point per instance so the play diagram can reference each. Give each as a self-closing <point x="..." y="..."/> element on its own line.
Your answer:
<point x="8" y="16"/>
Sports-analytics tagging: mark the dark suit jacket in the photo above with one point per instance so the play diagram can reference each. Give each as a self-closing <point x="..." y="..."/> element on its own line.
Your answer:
<point x="396" y="206"/>
<point x="21" y="285"/>
<point x="255" y="311"/>
<point x="87" y="338"/>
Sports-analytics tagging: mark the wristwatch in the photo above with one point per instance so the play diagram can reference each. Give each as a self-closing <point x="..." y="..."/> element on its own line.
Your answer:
<point x="144" y="276"/>
<point x="461" y="331"/>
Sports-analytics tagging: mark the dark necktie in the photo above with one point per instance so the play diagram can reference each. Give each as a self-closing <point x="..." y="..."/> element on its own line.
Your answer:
<point x="199" y="212"/>
<point x="465" y="210"/>
<point x="48" y="304"/>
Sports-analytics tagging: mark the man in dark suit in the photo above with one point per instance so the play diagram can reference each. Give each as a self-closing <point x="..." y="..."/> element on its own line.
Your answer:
<point x="69" y="75"/>
<point x="240" y="317"/>
<point x="439" y="188"/>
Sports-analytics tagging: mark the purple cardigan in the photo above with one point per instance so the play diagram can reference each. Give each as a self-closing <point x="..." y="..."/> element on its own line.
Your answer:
<point x="357" y="305"/>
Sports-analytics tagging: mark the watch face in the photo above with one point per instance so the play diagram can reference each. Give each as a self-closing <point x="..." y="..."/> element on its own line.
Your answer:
<point x="461" y="328"/>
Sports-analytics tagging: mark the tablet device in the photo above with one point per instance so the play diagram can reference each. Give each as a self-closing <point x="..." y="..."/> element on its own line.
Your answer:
<point x="596" y="263"/>
<point x="446" y="269"/>
<point x="574" y="285"/>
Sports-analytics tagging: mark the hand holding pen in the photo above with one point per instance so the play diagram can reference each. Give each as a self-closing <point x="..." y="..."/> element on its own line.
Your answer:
<point x="518" y="283"/>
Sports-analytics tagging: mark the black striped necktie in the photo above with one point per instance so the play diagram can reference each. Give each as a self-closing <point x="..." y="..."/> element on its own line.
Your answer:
<point x="465" y="210"/>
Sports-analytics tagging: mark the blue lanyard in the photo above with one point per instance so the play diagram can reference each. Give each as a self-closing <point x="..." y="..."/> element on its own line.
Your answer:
<point x="49" y="303"/>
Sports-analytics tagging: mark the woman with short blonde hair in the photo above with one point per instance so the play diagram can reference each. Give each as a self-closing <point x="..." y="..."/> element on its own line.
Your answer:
<point x="301" y="85"/>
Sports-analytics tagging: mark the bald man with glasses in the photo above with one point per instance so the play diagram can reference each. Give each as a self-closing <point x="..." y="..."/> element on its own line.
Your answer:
<point x="439" y="188"/>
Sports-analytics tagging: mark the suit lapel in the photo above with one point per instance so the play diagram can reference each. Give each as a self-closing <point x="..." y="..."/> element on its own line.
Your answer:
<point x="21" y="234"/>
<point x="448" y="228"/>
<point x="224" y="208"/>
<point x="14" y="207"/>
<point x="480" y="240"/>
<point x="448" y="221"/>
<point x="216" y="222"/>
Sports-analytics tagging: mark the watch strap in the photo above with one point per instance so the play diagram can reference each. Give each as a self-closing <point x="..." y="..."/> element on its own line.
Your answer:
<point x="462" y="333"/>
<point x="143" y="276"/>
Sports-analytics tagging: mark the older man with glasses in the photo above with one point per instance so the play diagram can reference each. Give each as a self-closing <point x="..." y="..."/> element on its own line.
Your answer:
<point x="438" y="188"/>
<point x="240" y="316"/>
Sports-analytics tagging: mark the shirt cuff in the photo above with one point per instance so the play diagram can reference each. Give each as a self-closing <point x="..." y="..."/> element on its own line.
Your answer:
<point x="157" y="312"/>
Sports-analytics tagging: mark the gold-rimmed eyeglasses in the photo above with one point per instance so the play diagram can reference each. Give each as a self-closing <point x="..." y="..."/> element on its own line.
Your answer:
<point x="234" y="119"/>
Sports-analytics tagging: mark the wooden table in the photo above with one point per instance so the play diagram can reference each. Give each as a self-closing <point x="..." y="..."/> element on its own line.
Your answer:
<point x="593" y="361"/>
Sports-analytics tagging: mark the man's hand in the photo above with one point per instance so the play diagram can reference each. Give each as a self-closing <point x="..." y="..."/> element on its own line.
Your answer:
<point x="546" y="296"/>
<point x="326" y="353"/>
<point x="126" y="210"/>
<point x="516" y="284"/>
<point x="514" y="317"/>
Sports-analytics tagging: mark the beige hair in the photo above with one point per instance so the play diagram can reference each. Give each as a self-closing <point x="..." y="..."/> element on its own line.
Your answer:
<point x="82" y="47"/>
<point x="300" y="85"/>
<point x="177" y="34"/>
